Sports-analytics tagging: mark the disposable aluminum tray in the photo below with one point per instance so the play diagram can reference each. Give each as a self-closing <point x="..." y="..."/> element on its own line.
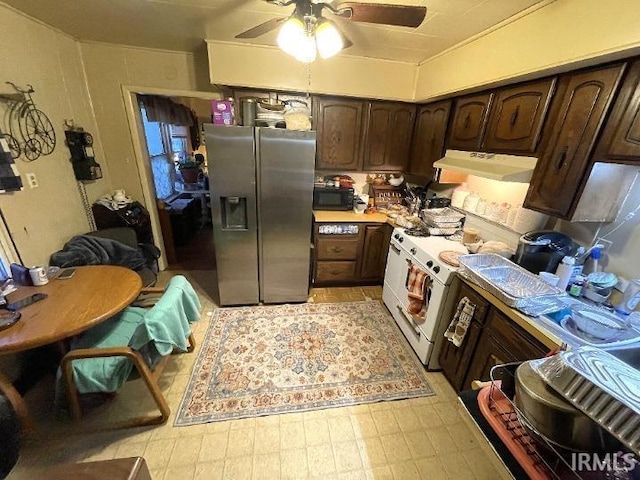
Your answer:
<point x="602" y="386"/>
<point x="510" y="283"/>
<point x="438" y="231"/>
<point x="441" y="215"/>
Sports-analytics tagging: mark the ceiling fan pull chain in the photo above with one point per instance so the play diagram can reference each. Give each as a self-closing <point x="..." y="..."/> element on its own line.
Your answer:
<point x="308" y="81"/>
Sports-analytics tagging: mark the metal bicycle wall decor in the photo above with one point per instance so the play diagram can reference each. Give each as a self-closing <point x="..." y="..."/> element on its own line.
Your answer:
<point x="30" y="132"/>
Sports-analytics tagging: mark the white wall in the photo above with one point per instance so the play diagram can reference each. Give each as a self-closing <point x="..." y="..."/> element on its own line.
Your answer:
<point x="109" y="68"/>
<point x="41" y="220"/>
<point x="270" y="68"/>
<point x="623" y="258"/>
<point x="561" y="33"/>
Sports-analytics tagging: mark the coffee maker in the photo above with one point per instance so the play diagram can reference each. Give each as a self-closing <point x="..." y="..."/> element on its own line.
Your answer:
<point x="543" y="250"/>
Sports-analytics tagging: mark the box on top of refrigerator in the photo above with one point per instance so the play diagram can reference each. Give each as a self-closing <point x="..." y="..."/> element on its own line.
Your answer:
<point x="222" y="112"/>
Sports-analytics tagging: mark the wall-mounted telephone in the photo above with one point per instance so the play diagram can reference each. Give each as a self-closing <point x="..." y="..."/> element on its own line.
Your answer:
<point x="80" y="145"/>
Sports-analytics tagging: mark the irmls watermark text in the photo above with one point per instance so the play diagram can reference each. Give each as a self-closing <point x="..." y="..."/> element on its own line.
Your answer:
<point x="603" y="462"/>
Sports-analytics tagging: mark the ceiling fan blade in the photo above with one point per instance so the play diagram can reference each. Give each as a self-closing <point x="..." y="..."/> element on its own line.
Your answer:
<point x="382" y="13"/>
<point x="263" y="28"/>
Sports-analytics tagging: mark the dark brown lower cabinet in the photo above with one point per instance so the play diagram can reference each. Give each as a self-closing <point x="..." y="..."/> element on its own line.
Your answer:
<point x="499" y="340"/>
<point x="374" y="251"/>
<point x="352" y="259"/>
<point x="454" y="360"/>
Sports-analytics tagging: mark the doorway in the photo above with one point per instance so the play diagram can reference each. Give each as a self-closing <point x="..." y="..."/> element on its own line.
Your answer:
<point x="172" y="163"/>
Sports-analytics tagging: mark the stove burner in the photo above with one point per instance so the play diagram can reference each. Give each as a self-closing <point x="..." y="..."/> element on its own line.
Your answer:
<point x="417" y="232"/>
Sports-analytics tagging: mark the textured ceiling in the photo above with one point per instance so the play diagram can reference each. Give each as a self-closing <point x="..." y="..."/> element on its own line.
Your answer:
<point x="183" y="24"/>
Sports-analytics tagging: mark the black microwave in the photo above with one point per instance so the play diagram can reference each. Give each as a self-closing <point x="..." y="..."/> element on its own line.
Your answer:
<point x="332" y="198"/>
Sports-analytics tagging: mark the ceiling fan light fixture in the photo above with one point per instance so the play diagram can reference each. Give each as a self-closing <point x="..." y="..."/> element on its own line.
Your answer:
<point x="291" y="34"/>
<point x="306" y="51"/>
<point x="328" y="39"/>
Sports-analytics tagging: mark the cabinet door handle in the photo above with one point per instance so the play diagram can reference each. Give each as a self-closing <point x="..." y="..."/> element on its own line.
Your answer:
<point x="562" y="158"/>
<point x="336" y="249"/>
<point x="514" y="116"/>
<point x="335" y="272"/>
<point x="467" y="121"/>
<point x="411" y="323"/>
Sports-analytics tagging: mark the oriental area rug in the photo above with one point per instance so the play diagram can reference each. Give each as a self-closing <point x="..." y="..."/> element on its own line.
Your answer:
<point x="269" y="360"/>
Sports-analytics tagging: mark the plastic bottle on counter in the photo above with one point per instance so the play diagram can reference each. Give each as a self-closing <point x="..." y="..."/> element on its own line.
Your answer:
<point x="564" y="271"/>
<point x="595" y="255"/>
<point x="575" y="289"/>
<point x="459" y="195"/>
<point x="579" y="265"/>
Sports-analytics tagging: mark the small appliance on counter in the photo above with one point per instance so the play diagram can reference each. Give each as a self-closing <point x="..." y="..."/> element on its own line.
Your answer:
<point x="332" y="198"/>
<point x="437" y="202"/>
<point x="543" y="250"/>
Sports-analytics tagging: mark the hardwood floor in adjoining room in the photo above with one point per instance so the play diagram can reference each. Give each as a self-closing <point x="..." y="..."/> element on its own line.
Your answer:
<point x="418" y="438"/>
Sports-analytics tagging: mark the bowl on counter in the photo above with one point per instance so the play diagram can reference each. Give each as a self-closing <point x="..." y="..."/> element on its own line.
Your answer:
<point x="396" y="181"/>
<point x="596" y="295"/>
<point x="602" y="325"/>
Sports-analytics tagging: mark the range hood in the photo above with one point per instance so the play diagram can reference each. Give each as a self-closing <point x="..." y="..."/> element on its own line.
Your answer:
<point x="507" y="168"/>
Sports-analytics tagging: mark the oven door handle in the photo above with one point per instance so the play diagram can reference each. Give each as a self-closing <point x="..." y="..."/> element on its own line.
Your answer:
<point x="411" y="323"/>
<point x="406" y="280"/>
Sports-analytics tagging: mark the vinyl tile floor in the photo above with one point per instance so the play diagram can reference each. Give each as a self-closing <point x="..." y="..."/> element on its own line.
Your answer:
<point x="422" y="438"/>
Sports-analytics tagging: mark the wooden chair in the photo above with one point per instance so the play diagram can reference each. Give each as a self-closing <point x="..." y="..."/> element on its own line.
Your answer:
<point x="138" y="357"/>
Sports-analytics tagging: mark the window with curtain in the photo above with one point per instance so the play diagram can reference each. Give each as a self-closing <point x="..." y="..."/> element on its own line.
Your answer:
<point x="160" y="156"/>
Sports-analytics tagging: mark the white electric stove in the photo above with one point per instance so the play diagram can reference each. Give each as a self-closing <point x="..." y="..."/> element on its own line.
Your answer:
<point x="406" y="250"/>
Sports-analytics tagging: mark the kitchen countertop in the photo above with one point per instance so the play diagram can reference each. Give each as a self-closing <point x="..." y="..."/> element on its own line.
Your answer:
<point x="529" y="324"/>
<point x="348" y="216"/>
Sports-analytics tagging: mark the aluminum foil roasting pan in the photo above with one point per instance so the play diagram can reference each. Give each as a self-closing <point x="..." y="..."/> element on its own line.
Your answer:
<point x="602" y="386"/>
<point x="510" y="283"/>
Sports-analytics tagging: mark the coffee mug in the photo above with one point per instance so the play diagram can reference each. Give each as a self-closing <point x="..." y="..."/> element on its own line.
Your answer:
<point x="38" y="275"/>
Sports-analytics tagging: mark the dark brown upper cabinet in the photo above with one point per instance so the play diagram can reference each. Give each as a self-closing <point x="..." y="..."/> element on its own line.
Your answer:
<point x="428" y="137"/>
<point x="469" y="122"/>
<point x="338" y="125"/>
<point x="620" y="142"/>
<point x="516" y="117"/>
<point x="387" y="140"/>
<point x="577" y="113"/>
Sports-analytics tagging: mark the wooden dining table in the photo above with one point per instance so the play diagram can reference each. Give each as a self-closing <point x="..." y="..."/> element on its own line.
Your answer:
<point x="92" y="295"/>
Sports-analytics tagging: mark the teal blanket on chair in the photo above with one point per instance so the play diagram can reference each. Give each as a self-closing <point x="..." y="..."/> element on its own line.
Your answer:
<point x="165" y="326"/>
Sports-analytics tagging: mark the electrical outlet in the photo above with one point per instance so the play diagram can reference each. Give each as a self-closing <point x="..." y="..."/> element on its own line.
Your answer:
<point x="32" y="181"/>
<point x="606" y="245"/>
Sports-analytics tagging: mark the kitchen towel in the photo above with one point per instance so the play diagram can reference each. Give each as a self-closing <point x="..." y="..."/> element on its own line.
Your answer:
<point x="418" y="283"/>
<point x="458" y="327"/>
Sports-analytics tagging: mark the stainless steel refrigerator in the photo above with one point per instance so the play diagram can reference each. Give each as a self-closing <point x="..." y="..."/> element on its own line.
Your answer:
<point x="261" y="182"/>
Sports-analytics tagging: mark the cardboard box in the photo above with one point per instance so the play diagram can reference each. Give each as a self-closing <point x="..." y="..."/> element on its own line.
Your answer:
<point x="222" y="112"/>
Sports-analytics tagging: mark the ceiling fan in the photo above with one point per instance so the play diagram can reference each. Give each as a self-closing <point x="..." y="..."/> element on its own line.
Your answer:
<point x="306" y="28"/>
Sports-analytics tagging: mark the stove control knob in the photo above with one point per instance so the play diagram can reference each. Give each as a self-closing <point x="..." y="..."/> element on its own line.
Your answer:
<point x="396" y="236"/>
<point x="401" y="239"/>
<point x="413" y="251"/>
<point x="429" y="264"/>
<point x="436" y="269"/>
